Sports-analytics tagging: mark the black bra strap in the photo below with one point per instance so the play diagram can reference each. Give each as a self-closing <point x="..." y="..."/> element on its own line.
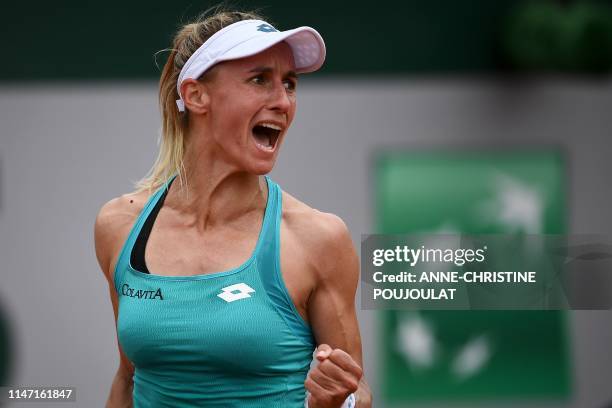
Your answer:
<point x="137" y="258"/>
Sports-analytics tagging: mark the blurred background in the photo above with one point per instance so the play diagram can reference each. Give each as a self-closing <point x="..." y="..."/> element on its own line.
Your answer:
<point x="429" y="116"/>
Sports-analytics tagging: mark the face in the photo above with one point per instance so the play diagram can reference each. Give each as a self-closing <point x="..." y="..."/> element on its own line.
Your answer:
<point x="251" y="105"/>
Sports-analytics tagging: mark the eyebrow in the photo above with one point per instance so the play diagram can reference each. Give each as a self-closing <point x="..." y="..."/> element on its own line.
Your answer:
<point x="265" y="70"/>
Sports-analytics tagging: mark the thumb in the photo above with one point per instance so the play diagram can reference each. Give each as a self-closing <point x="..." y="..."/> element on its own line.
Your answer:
<point x="322" y="352"/>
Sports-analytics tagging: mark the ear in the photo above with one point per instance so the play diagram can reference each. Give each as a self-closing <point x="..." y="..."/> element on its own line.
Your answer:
<point x="195" y="96"/>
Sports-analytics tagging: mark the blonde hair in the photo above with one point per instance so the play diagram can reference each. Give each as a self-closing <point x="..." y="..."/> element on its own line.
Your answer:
<point x="174" y="123"/>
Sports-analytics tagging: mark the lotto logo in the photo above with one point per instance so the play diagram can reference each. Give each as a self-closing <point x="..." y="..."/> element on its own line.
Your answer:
<point x="236" y="292"/>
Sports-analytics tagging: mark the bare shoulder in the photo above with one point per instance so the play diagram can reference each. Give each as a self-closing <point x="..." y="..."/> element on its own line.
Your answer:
<point x="324" y="236"/>
<point x="113" y="224"/>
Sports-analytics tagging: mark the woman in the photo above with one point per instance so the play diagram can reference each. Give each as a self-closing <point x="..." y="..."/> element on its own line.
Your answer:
<point x="188" y="334"/>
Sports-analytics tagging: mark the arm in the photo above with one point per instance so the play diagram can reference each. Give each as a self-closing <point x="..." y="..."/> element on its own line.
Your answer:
<point x="105" y="238"/>
<point x="120" y="395"/>
<point x="331" y="311"/>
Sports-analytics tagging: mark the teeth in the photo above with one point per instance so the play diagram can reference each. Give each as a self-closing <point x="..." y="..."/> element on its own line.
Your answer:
<point x="271" y="126"/>
<point x="269" y="146"/>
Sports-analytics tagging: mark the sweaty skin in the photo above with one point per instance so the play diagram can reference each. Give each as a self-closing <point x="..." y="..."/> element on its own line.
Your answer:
<point x="211" y="230"/>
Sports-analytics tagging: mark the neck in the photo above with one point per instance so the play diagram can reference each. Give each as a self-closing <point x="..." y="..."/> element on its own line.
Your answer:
<point x="216" y="192"/>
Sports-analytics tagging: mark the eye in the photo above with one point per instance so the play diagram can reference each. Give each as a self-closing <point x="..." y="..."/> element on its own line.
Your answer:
<point x="290" y="84"/>
<point x="258" y="80"/>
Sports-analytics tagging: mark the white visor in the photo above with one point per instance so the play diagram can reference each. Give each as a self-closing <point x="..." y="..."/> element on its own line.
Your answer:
<point x="250" y="37"/>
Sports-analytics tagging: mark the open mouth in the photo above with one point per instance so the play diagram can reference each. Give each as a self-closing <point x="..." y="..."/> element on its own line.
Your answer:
<point x="266" y="135"/>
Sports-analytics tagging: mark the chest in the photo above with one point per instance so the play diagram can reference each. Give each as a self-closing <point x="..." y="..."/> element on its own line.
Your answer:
<point x="185" y="325"/>
<point x="184" y="252"/>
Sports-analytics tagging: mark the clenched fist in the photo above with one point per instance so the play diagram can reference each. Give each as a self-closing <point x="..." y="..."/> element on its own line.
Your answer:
<point x="331" y="381"/>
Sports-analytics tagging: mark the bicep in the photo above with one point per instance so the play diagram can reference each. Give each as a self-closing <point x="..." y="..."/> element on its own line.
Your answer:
<point x="125" y="365"/>
<point x="105" y="230"/>
<point x="331" y="307"/>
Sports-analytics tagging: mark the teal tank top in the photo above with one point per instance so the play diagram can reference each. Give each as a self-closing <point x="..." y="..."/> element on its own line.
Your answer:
<point x="224" y="339"/>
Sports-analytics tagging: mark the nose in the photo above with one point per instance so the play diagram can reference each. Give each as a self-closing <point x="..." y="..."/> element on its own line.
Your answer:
<point x="280" y="100"/>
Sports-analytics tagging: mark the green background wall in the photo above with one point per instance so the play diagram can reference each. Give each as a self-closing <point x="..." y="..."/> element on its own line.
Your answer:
<point x="117" y="39"/>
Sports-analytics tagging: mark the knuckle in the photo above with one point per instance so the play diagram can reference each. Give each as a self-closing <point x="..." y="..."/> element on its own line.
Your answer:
<point x="323" y="365"/>
<point x="359" y="371"/>
<point x="352" y="385"/>
<point x="315" y="373"/>
<point x="309" y="384"/>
